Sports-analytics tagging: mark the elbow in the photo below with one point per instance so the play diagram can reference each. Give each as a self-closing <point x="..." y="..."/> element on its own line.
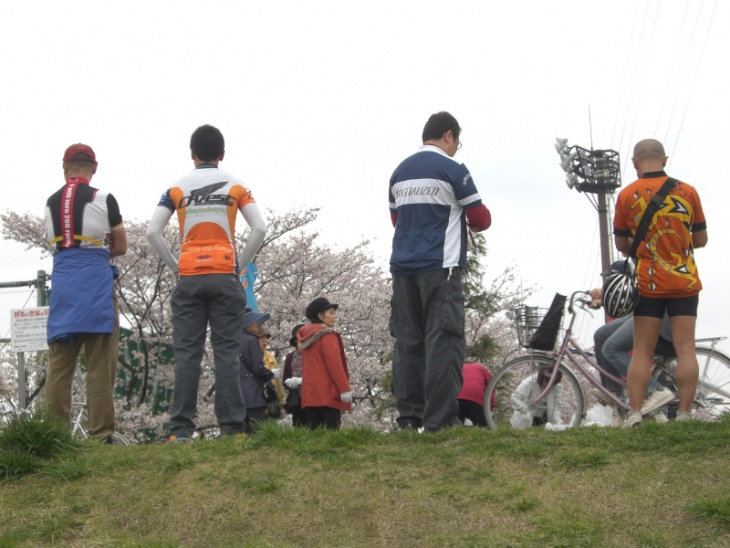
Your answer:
<point x="484" y="225"/>
<point x="699" y="240"/>
<point x="118" y="251"/>
<point x="479" y="219"/>
<point x="623" y="245"/>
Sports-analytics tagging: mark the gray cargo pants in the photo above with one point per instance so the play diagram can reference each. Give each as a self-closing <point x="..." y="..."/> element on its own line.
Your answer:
<point x="218" y="300"/>
<point x="427" y="321"/>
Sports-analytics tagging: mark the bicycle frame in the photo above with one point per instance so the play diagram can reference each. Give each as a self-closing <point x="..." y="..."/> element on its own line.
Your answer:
<point x="565" y="352"/>
<point x="78" y="426"/>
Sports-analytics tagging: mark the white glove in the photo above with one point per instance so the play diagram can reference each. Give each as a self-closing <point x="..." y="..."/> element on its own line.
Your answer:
<point x="346" y="396"/>
<point x="276" y="372"/>
<point x="293" y="382"/>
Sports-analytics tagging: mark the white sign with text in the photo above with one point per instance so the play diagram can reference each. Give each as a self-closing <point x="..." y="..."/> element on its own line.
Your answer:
<point x="28" y="329"/>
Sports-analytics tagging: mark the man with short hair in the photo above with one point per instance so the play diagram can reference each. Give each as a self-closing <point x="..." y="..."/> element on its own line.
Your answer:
<point x="85" y="229"/>
<point x="668" y="280"/>
<point x="433" y="201"/>
<point x="208" y="291"/>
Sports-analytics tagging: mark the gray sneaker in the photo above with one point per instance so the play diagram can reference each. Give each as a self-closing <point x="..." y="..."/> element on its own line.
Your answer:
<point x="659" y="398"/>
<point x="684" y="416"/>
<point x="634" y="419"/>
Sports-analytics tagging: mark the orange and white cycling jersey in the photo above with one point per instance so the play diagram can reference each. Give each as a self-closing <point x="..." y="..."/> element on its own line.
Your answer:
<point x="666" y="265"/>
<point x="207" y="201"/>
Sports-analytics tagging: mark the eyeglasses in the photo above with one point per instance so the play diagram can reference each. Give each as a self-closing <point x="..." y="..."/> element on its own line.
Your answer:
<point x="458" y="147"/>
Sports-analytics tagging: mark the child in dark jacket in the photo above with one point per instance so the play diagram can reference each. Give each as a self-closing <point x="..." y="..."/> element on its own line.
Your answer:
<point x="253" y="372"/>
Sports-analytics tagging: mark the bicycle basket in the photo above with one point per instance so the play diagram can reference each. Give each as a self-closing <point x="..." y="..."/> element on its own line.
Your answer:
<point x="526" y="321"/>
<point x="538" y="328"/>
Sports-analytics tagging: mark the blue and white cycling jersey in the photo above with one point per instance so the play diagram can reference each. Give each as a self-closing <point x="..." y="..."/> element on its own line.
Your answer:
<point x="429" y="191"/>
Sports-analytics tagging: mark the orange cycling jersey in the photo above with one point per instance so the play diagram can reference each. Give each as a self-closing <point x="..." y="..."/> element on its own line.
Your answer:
<point x="207" y="201"/>
<point x="666" y="265"/>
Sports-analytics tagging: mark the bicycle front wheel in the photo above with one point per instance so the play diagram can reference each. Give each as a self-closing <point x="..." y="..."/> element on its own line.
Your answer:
<point x="515" y="391"/>
<point x="119" y="439"/>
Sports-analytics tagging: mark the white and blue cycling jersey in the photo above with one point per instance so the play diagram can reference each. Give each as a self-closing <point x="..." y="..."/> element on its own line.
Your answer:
<point x="429" y="192"/>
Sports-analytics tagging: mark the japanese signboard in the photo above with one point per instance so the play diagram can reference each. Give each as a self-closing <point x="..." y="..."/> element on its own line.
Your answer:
<point x="28" y="329"/>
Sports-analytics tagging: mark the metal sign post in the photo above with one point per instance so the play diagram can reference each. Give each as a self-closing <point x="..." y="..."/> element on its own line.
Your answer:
<point x="28" y="334"/>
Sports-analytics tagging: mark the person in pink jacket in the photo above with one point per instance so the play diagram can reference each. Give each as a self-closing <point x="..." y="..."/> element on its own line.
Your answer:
<point x="471" y="397"/>
<point x="325" y="379"/>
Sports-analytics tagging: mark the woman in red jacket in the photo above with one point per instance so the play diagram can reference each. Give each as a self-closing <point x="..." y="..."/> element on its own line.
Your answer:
<point x="325" y="380"/>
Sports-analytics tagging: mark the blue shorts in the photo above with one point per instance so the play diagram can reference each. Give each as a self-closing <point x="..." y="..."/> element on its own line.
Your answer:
<point x="655" y="307"/>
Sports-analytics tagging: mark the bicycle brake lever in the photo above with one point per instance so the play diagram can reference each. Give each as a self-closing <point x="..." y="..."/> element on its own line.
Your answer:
<point x="586" y="306"/>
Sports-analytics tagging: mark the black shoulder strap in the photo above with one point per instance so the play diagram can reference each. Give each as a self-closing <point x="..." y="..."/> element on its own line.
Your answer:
<point x="652" y="207"/>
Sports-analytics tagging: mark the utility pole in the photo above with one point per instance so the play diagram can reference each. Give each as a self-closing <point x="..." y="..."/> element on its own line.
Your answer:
<point x="597" y="173"/>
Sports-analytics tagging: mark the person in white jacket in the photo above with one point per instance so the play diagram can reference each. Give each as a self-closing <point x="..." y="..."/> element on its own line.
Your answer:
<point x="527" y="413"/>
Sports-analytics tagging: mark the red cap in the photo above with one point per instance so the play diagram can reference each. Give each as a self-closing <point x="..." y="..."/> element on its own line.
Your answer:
<point x="78" y="148"/>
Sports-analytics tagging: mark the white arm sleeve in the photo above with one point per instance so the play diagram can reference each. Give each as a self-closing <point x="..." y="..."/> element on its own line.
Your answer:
<point x="252" y="215"/>
<point x="160" y="218"/>
<point x="521" y="396"/>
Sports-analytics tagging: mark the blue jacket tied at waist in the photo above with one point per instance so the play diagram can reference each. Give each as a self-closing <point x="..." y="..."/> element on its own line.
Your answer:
<point x="81" y="294"/>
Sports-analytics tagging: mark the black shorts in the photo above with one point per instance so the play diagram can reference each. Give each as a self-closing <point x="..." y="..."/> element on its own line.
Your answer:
<point x="655" y="307"/>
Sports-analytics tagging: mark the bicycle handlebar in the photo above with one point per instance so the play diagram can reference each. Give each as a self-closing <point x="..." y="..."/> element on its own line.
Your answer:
<point x="582" y="302"/>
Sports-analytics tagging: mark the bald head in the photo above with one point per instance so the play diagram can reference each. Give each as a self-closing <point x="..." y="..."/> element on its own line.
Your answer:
<point x="649" y="156"/>
<point x="649" y="148"/>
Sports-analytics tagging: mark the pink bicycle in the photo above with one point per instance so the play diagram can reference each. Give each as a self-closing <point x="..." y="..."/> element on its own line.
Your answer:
<point x="560" y="401"/>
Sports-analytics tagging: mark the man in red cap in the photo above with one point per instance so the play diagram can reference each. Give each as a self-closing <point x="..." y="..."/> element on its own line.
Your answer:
<point x="85" y="229"/>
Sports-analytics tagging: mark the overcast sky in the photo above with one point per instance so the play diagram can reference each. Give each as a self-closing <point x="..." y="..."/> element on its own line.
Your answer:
<point x="319" y="101"/>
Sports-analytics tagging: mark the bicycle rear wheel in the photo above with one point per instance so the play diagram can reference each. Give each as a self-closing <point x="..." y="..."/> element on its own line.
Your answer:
<point x="565" y="407"/>
<point x="712" y="398"/>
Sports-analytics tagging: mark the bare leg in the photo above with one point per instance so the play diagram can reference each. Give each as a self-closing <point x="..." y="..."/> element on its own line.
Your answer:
<point x="683" y="337"/>
<point x="646" y="334"/>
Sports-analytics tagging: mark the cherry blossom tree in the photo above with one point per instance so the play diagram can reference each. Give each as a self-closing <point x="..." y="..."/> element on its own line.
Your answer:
<point x="294" y="268"/>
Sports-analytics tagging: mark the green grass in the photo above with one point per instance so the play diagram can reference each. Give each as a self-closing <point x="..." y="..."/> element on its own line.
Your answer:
<point x="658" y="485"/>
<point x="29" y="440"/>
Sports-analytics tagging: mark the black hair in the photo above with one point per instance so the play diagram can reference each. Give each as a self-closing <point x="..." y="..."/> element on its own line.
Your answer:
<point x="207" y="143"/>
<point x="545" y="373"/>
<point x="438" y="124"/>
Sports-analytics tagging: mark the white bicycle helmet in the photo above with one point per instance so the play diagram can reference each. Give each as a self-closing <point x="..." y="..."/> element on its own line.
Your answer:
<point x="619" y="294"/>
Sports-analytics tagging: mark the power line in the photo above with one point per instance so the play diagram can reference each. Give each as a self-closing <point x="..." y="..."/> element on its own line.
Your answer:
<point x="694" y="79"/>
<point x="671" y="72"/>
<point x="682" y="75"/>
<point x="633" y="78"/>
<point x="643" y="78"/>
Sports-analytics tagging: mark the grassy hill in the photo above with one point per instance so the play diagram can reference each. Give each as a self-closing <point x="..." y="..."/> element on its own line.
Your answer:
<point x="657" y="485"/>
